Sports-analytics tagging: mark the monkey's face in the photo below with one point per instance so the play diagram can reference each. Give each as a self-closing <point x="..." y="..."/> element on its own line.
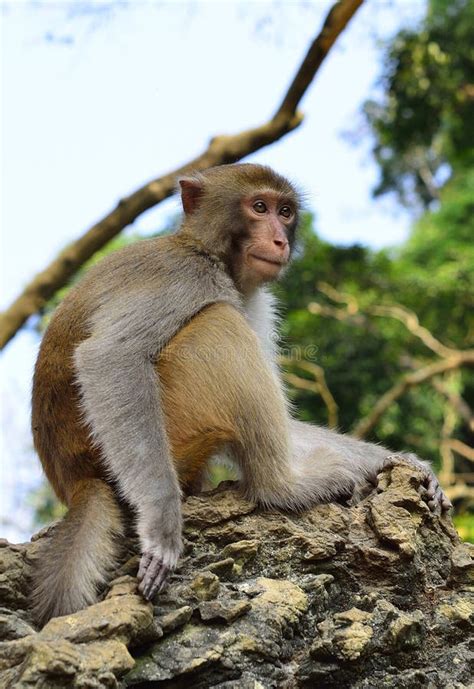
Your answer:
<point x="247" y="215"/>
<point x="265" y="251"/>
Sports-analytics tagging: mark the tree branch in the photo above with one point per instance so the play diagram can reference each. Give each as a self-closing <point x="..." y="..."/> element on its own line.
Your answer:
<point x="460" y="491"/>
<point x="318" y="386"/>
<point x="221" y="149"/>
<point x="365" y="425"/>
<point x="459" y="404"/>
<point x="336" y="21"/>
<point x="397" y="311"/>
<point x="451" y="359"/>
<point x="461" y="448"/>
<point x="446" y="472"/>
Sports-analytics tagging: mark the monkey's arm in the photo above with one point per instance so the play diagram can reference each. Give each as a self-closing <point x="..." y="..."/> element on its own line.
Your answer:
<point x="121" y="401"/>
<point x="348" y="466"/>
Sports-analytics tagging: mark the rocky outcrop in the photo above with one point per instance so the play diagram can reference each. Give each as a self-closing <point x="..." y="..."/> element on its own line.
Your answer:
<point x="376" y="595"/>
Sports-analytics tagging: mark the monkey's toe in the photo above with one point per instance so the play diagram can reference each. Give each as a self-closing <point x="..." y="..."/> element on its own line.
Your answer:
<point x="435" y="498"/>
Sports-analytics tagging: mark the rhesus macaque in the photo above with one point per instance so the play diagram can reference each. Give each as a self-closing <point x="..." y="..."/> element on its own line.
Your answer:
<point x="161" y="357"/>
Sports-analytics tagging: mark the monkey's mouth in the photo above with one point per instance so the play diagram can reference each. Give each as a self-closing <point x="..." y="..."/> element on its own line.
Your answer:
<point x="273" y="261"/>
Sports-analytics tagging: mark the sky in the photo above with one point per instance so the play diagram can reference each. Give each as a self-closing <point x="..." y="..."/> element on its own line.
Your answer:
<point x="98" y="98"/>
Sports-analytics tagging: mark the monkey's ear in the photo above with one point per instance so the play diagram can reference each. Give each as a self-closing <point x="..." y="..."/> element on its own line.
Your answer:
<point x="191" y="192"/>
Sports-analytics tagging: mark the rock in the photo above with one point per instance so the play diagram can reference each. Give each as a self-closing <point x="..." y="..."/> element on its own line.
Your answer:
<point x="12" y="626"/>
<point x="217" y="611"/>
<point x="223" y="568"/>
<point x="175" y="618"/>
<point x="377" y="595"/>
<point x="206" y="586"/>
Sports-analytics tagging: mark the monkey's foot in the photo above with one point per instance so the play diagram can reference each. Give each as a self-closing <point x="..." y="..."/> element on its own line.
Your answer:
<point x="431" y="491"/>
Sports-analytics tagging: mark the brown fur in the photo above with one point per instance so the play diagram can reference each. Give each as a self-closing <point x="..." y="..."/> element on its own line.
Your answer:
<point x="205" y="373"/>
<point x="217" y="389"/>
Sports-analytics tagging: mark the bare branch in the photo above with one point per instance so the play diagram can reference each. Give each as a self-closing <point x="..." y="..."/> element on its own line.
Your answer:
<point x="318" y="386"/>
<point x="446" y="473"/>
<point x="451" y="358"/>
<point x="460" y="405"/>
<point x="222" y="149"/>
<point x="397" y="311"/>
<point x="461" y="448"/>
<point x="460" y="491"/>
<point x="410" y="380"/>
<point x="340" y="297"/>
<point x="336" y="21"/>
<point x="411" y="322"/>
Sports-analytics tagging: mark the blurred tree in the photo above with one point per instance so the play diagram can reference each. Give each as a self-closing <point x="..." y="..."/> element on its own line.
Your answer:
<point x="352" y="302"/>
<point x="378" y="316"/>
<point x="424" y="119"/>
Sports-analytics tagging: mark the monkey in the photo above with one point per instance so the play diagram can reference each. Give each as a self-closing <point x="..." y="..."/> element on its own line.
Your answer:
<point x="162" y="356"/>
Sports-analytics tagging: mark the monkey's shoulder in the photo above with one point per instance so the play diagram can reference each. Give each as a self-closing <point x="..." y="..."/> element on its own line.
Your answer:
<point x="153" y="286"/>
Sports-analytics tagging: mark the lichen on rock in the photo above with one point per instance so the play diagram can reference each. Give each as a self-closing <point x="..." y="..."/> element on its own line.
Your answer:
<point x="380" y="594"/>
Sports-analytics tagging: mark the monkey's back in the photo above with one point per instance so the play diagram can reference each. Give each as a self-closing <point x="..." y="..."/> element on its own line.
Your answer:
<point x="61" y="438"/>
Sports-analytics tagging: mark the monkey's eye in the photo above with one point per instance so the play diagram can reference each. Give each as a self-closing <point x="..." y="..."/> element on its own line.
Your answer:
<point x="286" y="211"/>
<point x="259" y="207"/>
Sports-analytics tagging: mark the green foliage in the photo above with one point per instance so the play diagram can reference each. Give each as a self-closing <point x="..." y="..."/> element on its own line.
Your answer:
<point x="424" y="118"/>
<point x="45" y="505"/>
<point x="465" y="526"/>
<point x="436" y="265"/>
<point x="362" y="356"/>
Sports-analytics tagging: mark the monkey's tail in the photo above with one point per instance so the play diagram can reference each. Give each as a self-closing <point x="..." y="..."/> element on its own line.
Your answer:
<point x="81" y="552"/>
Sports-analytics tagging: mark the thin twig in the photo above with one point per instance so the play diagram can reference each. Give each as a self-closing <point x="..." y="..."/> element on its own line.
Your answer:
<point x="318" y="386"/>
<point x="460" y="491"/>
<point x="460" y="405"/>
<point x="397" y="311"/>
<point x="446" y="473"/>
<point x="461" y="448"/>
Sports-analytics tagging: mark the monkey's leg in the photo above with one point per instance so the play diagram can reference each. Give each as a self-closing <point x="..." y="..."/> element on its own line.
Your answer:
<point x="217" y="388"/>
<point x="344" y="466"/>
<point x="81" y="552"/>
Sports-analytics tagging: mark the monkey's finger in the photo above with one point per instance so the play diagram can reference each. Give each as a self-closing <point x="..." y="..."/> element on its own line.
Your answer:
<point x="440" y="501"/>
<point x="434" y="506"/>
<point x="158" y="583"/>
<point x="446" y="503"/>
<point x="145" y="560"/>
<point x="426" y="496"/>
<point x="155" y="585"/>
<point x="151" y="573"/>
<point x="155" y="574"/>
<point x="431" y="485"/>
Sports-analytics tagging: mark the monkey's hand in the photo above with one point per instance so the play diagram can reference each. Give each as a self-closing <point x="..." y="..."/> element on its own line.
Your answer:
<point x="431" y="491"/>
<point x="161" y="547"/>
